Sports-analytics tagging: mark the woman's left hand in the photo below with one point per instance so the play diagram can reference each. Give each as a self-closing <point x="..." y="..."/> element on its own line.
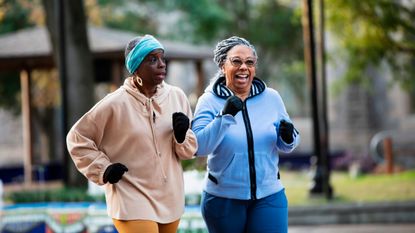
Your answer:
<point x="286" y="131"/>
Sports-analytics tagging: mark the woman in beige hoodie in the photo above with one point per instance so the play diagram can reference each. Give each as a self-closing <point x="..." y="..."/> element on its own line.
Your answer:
<point x="132" y="142"/>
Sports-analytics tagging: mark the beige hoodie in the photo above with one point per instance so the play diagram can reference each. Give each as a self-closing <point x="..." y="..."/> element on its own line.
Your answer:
<point x="129" y="128"/>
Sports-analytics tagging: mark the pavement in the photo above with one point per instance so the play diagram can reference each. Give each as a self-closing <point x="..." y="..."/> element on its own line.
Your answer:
<point x="354" y="228"/>
<point x="393" y="213"/>
<point x="392" y="217"/>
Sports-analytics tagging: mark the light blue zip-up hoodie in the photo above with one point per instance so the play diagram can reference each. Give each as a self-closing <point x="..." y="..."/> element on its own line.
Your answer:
<point x="242" y="150"/>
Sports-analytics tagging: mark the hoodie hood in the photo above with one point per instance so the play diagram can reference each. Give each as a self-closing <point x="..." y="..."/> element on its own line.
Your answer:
<point x="220" y="89"/>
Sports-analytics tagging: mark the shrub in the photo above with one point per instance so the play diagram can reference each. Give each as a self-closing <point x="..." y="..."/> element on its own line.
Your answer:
<point x="57" y="195"/>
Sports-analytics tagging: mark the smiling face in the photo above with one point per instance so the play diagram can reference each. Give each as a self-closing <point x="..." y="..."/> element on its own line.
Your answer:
<point x="152" y="69"/>
<point x="239" y="69"/>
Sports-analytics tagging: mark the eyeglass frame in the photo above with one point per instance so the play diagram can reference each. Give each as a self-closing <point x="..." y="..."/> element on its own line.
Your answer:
<point x="231" y="60"/>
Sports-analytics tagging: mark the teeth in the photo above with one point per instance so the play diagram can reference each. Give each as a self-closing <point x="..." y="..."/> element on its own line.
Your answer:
<point x="242" y="75"/>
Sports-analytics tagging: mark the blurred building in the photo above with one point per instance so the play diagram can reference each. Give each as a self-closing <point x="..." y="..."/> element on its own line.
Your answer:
<point x="360" y="117"/>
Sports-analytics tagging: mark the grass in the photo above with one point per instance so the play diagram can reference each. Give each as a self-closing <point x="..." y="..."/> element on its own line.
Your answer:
<point x="365" y="188"/>
<point x="362" y="189"/>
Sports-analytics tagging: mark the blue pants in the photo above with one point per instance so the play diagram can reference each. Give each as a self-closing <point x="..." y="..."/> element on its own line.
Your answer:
<point x="266" y="215"/>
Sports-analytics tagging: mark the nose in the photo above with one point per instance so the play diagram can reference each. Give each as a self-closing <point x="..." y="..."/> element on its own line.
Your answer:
<point x="243" y="66"/>
<point x="162" y="62"/>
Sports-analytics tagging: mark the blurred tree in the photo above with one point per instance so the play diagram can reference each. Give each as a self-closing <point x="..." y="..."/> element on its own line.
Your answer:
<point x="45" y="90"/>
<point x="66" y="22"/>
<point x="15" y="15"/>
<point x="372" y="32"/>
<point x="93" y="12"/>
<point x="197" y="21"/>
<point x="130" y="15"/>
<point x="19" y="14"/>
<point x="273" y="27"/>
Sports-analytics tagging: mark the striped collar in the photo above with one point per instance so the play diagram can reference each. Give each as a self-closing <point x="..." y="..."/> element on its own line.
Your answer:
<point x="222" y="91"/>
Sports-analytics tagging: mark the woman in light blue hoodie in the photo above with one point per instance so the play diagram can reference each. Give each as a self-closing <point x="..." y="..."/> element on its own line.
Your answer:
<point x="240" y="125"/>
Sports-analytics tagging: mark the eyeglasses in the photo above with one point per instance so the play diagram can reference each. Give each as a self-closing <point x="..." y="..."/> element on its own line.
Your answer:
<point x="237" y="62"/>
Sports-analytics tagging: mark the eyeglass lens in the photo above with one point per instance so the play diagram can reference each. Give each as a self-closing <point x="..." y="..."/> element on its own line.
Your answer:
<point x="237" y="62"/>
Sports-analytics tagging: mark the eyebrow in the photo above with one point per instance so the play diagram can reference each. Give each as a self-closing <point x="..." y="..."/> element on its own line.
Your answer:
<point x="156" y="54"/>
<point x="157" y="51"/>
<point x="242" y="58"/>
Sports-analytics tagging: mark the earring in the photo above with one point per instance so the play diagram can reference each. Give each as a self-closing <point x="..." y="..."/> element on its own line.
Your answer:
<point x="138" y="80"/>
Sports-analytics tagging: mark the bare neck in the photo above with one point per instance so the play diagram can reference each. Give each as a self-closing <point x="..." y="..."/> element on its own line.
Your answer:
<point x="147" y="91"/>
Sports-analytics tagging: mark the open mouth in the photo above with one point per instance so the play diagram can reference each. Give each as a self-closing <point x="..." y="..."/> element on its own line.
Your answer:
<point x="242" y="76"/>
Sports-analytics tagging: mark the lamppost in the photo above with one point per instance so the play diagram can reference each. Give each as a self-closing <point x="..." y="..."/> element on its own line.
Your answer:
<point x="317" y="90"/>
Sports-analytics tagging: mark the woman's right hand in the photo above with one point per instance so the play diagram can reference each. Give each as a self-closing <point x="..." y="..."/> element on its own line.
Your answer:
<point x="114" y="172"/>
<point x="232" y="105"/>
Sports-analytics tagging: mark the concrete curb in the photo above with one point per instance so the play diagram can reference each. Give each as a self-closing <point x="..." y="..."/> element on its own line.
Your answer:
<point x="392" y="212"/>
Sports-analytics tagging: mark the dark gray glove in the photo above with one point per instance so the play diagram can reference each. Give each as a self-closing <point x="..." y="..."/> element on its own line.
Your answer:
<point x="181" y="124"/>
<point x="232" y="105"/>
<point x="114" y="172"/>
<point x="286" y="131"/>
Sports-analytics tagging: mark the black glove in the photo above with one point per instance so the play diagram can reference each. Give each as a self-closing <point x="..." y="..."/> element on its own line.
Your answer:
<point x="114" y="173"/>
<point x="181" y="124"/>
<point x="232" y="105"/>
<point x="286" y="131"/>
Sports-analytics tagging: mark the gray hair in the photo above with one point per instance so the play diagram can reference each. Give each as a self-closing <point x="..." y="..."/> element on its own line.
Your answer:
<point x="131" y="44"/>
<point x="223" y="47"/>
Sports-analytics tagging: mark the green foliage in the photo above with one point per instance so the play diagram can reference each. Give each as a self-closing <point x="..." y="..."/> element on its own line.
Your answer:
<point x="275" y="29"/>
<point x="128" y="15"/>
<point x="9" y="91"/>
<point x="58" y="195"/>
<point x="15" y="16"/>
<point x="201" y="21"/>
<point x="373" y="32"/>
<point x="292" y="75"/>
<point x="187" y="164"/>
<point x="197" y="163"/>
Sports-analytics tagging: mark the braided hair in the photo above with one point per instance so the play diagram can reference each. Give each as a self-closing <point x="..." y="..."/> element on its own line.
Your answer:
<point x="223" y="47"/>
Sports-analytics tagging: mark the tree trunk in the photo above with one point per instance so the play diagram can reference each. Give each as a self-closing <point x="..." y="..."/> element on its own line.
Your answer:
<point x="66" y="23"/>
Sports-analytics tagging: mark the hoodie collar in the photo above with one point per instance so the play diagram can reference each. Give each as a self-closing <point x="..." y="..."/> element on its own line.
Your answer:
<point x="162" y="92"/>
<point x="220" y="89"/>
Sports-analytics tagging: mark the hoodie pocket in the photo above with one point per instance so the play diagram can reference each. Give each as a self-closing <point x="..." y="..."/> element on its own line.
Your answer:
<point x="237" y="171"/>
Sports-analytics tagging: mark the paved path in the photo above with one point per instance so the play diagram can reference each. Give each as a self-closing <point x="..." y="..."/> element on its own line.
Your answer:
<point x="355" y="228"/>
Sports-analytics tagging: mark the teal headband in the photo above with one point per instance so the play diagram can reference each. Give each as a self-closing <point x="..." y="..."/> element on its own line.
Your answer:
<point x="147" y="44"/>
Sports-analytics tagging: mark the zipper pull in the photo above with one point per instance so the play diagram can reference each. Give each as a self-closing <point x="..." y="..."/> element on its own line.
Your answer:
<point x="154" y="117"/>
